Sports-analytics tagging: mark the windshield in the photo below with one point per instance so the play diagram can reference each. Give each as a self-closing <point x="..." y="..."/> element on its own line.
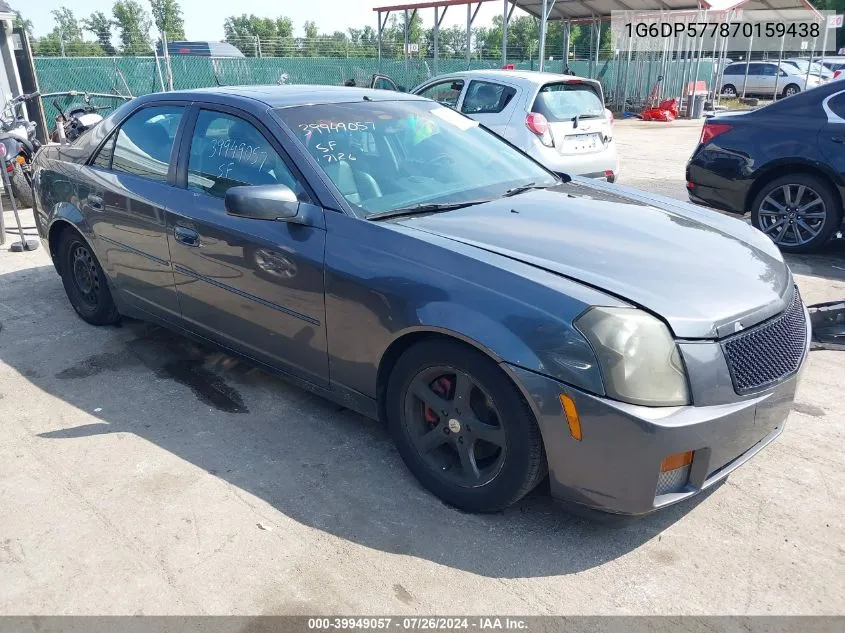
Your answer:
<point x="565" y="101"/>
<point x="386" y="155"/>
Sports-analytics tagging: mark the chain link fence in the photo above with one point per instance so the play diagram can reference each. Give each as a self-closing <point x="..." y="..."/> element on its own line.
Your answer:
<point x="302" y="61"/>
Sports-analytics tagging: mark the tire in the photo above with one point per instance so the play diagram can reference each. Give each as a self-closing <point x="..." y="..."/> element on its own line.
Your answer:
<point x="84" y="281"/>
<point x="21" y="188"/>
<point x="781" y="218"/>
<point x="790" y="90"/>
<point x="437" y="451"/>
<point x="729" y="90"/>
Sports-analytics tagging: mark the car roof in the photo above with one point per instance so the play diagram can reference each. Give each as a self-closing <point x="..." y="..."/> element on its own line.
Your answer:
<point x="529" y="77"/>
<point x="287" y="96"/>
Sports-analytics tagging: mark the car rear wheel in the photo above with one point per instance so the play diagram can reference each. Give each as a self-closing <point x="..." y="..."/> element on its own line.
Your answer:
<point x="462" y="427"/>
<point x="729" y="90"/>
<point x="798" y="212"/>
<point x="791" y="89"/>
<point x="84" y="280"/>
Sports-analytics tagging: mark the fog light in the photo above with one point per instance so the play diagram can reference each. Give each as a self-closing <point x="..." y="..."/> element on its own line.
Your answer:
<point x="672" y="481"/>
<point x="572" y="418"/>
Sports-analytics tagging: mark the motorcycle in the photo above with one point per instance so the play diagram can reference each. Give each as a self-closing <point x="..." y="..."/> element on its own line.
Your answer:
<point x="18" y="146"/>
<point x="76" y="119"/>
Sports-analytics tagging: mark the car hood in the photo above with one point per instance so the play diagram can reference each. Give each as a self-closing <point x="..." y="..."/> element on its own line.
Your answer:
<point x="705" y="274"/>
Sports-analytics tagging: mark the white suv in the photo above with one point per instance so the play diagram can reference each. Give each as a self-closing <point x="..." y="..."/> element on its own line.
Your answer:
<point x="559" y="120"/>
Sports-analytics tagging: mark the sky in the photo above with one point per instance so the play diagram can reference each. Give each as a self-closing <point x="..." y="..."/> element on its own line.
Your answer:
<point x="204" y="18"/>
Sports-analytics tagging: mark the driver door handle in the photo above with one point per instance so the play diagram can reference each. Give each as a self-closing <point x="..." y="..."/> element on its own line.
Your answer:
<point x="186" y="237"/>
<point x="838" y="139"/>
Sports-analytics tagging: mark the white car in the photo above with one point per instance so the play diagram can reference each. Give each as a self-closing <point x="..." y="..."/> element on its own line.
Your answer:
<point x="765" y="78"/>
<point x="803" y="64"/>
<point x="559" y="120"/>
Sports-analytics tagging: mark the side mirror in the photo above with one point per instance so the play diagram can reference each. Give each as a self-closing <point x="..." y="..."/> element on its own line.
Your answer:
<point x="263" y="202"/>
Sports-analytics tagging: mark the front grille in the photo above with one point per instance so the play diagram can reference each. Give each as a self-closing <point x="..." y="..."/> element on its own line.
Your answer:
<point x="769" y="352"/>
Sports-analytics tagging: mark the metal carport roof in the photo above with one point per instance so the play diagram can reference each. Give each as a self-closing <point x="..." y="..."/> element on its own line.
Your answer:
<point x="574" y="9"/>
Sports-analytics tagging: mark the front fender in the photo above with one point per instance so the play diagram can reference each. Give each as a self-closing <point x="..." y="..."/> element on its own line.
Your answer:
<point x="385" y="283"/>
<point x="526" y="339"/>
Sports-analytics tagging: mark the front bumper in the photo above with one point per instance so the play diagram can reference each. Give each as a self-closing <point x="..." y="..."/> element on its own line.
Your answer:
<point x="616" y="466"/>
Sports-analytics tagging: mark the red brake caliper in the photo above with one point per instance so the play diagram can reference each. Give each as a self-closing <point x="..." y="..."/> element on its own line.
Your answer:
<point x="442" y="387"/>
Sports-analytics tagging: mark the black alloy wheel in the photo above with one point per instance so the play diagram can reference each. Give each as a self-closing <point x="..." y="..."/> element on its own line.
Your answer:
<point x="462" y="426"/>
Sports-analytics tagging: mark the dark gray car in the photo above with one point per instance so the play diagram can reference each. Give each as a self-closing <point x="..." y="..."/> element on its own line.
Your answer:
<point x="396" y="257"/>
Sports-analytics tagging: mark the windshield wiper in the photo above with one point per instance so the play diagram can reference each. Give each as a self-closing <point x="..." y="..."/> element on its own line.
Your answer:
<point x="416" y="209"/>
<point x="523" y="188"/>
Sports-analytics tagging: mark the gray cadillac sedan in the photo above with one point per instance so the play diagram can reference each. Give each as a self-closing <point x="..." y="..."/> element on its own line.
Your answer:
<point x="393" y="255"/>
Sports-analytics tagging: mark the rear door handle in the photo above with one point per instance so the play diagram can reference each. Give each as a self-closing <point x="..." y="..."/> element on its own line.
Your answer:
<point x="96" y="202"/>
<point x="838" y="139"/>
<point x="188" y="237"/>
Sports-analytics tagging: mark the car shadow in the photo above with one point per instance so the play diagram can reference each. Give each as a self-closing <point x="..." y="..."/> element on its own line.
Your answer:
<point x="827" y="263"/>
<point x="313" y="461"/>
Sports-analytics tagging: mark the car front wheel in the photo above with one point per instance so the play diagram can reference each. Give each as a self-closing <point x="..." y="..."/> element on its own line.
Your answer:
<point x="790" y="90"/>
<point x="798" y="212"/>
<point x="84" y="280"/>
<point x="462" y="427"/>
<point x="729" y="91"/>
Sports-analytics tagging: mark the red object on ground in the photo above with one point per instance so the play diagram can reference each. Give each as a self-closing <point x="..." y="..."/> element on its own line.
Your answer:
<point x="666" y="111"/>
<point x="671" y="105"/>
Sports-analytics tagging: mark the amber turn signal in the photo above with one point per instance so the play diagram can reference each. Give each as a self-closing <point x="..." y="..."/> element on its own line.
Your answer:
<point x="572" y="418"/>
<point x="679" y="460"/>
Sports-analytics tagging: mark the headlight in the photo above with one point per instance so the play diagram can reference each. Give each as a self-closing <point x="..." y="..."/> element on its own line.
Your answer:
<point x="637" y="355"/>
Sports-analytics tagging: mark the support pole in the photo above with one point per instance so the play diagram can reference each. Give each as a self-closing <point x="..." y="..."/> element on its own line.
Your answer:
<point x="505" y="17"/>
<point x="167" y="70"/>
<point x="469" y="33"/>
<point x="698" y="53"/>
<point x="812" y="54"/>
<point x="543" y="35"/>
<point x="379" y="39"/>
<point x="406" y="48"/>
<point x="747" y="62"/>
<point x="567" y="32"/>
<point x="824" y="39"/>
<point x="597" y="26"/>
<point x="722" y="57"/>
<point x="780" y="59"/>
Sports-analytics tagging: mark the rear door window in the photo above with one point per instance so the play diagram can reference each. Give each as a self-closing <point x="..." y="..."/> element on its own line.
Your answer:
<point x="486" y="97"/>
<point x="564" y="101"/>
<point x="145" y="142"/>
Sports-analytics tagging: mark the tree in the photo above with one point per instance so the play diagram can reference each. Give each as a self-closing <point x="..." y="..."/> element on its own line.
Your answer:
<point x="134" y="24"/>
<point x="100" y="25"/>
<point x="67" y="26"/>
<point x="65" y="38"/>
<point x="274" y="37"/>
<point x="309" y="46"/>
<point x="167" y="15"/>
<point x="22" y="23"/>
